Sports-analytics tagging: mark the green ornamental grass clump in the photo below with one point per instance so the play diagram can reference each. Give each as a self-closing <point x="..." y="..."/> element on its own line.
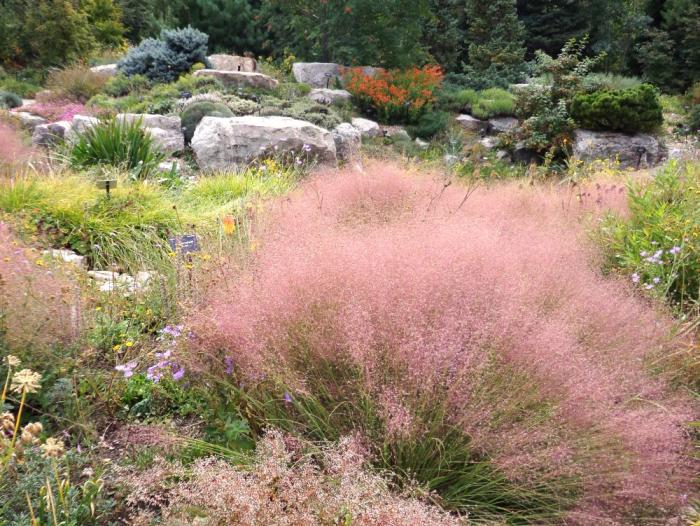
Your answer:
<point x="195" y="112"/>
<point x="631" y="110"/>
<point x="117" y="143"/>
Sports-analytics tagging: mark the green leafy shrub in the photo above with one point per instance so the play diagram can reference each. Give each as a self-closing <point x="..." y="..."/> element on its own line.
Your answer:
<point x="457" y="100"/>
<point x="194" y="113"/>
<point x="75" y="83"/>
<point x="658" y="245"/>
<point x="9" y="100"/>
<point x="117" y="143"/>
<point x="164" y="59"/>
<point x="241" y="106"/>
<point x="610" y="81"/>
<point x="631" y="111"/>
<point x="493" y="102"/>
<point x="121" y="85"/>
<point x="431" y="124"/>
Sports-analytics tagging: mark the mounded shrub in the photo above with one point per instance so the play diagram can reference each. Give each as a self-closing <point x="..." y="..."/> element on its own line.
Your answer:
<point x="431" y="124"/>
<point x="631" y="110"/>
<point x="9" y="100"/>
<point x="194" y="114"/>
<point x="166" y="58"/>
<point x="121" y="85"/>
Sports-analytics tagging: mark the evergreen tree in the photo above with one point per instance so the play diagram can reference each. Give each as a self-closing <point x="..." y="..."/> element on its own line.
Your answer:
<point x="232" y="25"/>
<point x="12" y="31"/>
<point x="60" y="33"/>
<point x="670" y="55"/>
<point x="104" y="18"/>
<point x="551" y="23"/>
<point x="386" y="33"/>
<point x="138" y="19"/>
<point x="444" y="33"/>
<point x="496" y="36"/>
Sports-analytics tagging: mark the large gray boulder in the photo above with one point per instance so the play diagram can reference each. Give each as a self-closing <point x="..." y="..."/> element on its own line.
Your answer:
<point x="367" y="127"/>
<point x="502" y="124"/>
<point x="470" y="123"/>
<point x="348" y="141"/>
<point x="165" y="130"/>
<point x="239" y="78"/>
<point x="220" y="143"/>
<point x="233" y="63"/>
<point x="330" y="96"/>
<point x="50" y="134"/>
<point x="316" y="74"/>
<point x="632" y="151"/>
<point x="28" y="121"/>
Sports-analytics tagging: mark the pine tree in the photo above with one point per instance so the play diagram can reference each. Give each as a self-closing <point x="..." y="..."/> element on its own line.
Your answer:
<point x="60" y="33"/>
<point x="104" y="17"/>
<point x="138" y="19"/>
<point x="444" y="33"/>
<point x="551" y="23"/>
<point x="496" y="36"/>
<point x="231" y="24"/>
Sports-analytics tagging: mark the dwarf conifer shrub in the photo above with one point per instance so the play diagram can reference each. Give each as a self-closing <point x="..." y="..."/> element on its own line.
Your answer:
<point x="631" y="110"/>
<point x="164" y="59"/>
<point x="9" y="100"/>
<point x="194" y="114"/>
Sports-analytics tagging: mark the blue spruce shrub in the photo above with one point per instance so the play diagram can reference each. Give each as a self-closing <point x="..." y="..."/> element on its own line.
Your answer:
<point x="165" y="58"/>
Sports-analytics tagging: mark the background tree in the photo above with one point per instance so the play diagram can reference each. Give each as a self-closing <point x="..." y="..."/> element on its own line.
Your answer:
<point x="444" y="33"/>
<point x="138" y="19"/>
<point x="60" y="33"/>
<point x="232" y="25"/>
<point x="496" y="37"/>
<point x="105" y="22"/>
<point x="551" y="23"/>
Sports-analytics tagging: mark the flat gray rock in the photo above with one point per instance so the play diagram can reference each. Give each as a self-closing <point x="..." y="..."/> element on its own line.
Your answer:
<point x="631" y="151"/>
<point x="239" y="78"/>
<point x="221" y="143"/>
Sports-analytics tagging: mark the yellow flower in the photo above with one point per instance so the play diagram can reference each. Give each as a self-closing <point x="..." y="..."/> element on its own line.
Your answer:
<point x="253" y="246"/>
<point x="11" y="361"/>
<point x="52" y="448"/>
<point x="26" y="380"/>
<point x="129" y="344"/>
<point x="98" y="308"/>
<point x="117" y="348"/>
<point x="229" y="224"/>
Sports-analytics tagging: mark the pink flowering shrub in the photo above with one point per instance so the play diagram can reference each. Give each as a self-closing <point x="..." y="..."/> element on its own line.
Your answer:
<point x="489" y="311"/>
<point x="40" y="306"/>
<point x="59" y="110"/>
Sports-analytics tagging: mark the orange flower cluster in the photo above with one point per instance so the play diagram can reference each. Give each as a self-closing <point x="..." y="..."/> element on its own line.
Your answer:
<point x="394" y="96"/>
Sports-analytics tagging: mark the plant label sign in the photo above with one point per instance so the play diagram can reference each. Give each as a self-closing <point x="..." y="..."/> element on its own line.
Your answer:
<point x="184" y="244"/>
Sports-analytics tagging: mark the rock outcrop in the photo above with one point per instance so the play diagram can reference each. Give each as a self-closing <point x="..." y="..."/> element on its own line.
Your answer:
<point x="239" y="78"/>
<point x="233" y="63"/>
<point x="220" y="143"/>
<point x="631" y="151"/>
<point x="348" y="141"/>
<point x="470" y="123"/>
<point x="367" y="127"/>
<point x="108" y="70"/>
<point x="316" y="74"/>
<point x="50" y="134"/>
<point x="330" y="96"/>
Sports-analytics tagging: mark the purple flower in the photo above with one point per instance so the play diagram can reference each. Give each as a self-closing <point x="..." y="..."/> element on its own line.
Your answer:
<point x="656" y="280"/>
<point x="644" y="253"/>
<point x="162" y="355"/>
<point x="306" y="147"/>
<point x="127" y="369"/>
<point x="649" y="286"/>
<point x="229" y="365"/>
<point x="675" y="250"/>
<point x="172" y="330"/>
<point x="179" y="373"/>
<point x="288" y="398"/>
<point x="635" y="278"/>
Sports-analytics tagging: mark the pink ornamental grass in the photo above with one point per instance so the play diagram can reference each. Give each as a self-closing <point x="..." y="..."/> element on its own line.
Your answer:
<point x="495" y="304"/>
